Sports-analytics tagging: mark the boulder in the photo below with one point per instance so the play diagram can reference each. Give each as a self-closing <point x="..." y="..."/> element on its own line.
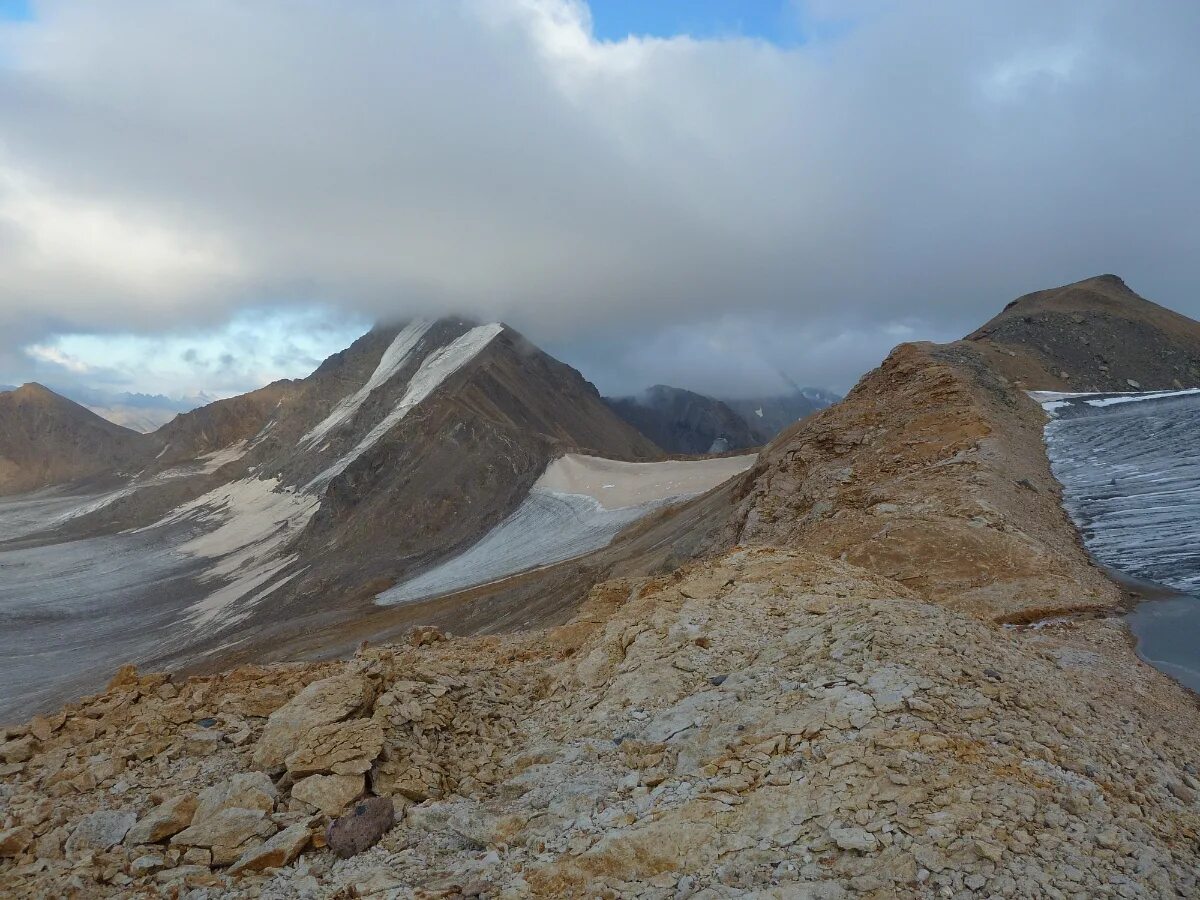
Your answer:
<point x="163" y="821"/>
<point x="853" y="839"/>
<point x="343" y="748"/>
<point x="18" y="750"/>
<point x="145" y="864"/>
<point x="329" y="793"/>
<point x="100" y="830"/>
<point x="278" y="851"/>
<point x="362" y="828"/>
<point x="246" y="790"/>
<point x="14" y="841"/>
<point x="228" y="828"/>
<point x="41" y="728"/>
<point x="321" y="703"/>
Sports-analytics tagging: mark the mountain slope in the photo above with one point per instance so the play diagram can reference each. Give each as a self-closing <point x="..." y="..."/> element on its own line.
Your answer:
<point x="681" y="421"/>
<point x="445" y="474"/>
<point x="46" y="439"/>
<point x="768" y="416"/>
<point x="1093" y="335"/>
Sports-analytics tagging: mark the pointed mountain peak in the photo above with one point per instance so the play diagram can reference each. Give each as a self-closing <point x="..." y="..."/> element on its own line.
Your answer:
<point x="31" y="389"/>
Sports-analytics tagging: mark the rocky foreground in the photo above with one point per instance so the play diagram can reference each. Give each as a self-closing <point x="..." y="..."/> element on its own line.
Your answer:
<point x="769" y="721"/>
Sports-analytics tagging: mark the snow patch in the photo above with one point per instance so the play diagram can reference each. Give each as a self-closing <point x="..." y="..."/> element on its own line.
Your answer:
<point x="210" y="462"/>
<point x="434" y="370"/>
<point x="393" y="359"/>
<point x="615" y="484"/>
<point x="555" y="523"/>
<point x="547" y="528"/>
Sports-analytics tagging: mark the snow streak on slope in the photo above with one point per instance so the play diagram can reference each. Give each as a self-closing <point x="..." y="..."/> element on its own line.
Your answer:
<point x="246" y="525"/>
<point x="578" y="505"/>
<point x="394" y="357"/>
<point x="1131" y="479"/>
<point x="434" y="370"/>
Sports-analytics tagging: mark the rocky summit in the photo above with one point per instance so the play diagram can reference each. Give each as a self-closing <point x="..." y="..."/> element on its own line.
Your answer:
<point x="886" y="668"/>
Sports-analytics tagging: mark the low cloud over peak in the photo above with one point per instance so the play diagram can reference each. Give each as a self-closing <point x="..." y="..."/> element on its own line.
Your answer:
<point x="168" y="165"/>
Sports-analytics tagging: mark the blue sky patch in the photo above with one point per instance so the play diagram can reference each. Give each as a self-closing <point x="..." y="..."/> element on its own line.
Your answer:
<point x="16" y="10"/>
<point x="777" y="21"/>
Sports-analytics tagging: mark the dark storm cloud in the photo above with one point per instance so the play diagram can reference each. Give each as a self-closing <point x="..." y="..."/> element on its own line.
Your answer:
<point x="681" y="202"/>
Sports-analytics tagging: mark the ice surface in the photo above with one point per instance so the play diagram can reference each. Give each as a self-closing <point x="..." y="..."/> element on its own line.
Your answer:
<point x="555" y="524"/>
<point x="243" y="527"/>
<point x="548" y="527"/>
<point x="617" y="484"/>
<point x="1056" y="402"/>
<point x="71" y="612"/>
<point x="393" y="359"/>
<point x="45" y="509"/>
<point x="434" y="370"/>
<point x="1131" y="481"/>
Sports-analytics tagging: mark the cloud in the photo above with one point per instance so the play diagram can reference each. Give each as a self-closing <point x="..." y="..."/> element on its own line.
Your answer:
<point x="56" y="357"/>
<point x="167" y="164"/>
<point x="252" y="349"/>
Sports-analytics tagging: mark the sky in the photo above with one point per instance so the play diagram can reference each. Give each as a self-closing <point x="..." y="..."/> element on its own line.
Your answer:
<point x="726" y="196"/>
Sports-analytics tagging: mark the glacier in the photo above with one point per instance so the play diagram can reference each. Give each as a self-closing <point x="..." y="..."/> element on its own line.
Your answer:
<point x="1130" y="472"/>
<point x="579" y="504"/>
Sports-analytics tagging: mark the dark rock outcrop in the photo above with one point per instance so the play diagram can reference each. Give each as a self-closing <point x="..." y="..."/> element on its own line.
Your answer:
<point x="681" y="421"/>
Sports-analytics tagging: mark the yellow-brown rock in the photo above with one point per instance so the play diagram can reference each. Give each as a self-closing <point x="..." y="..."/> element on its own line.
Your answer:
<point x="320" y="703"/>
<point x="342" y="748"/>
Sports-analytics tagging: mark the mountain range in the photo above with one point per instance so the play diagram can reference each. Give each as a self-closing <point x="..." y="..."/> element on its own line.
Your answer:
<point x="873" y="657"/>
<point x="682" y="421"/>
<point x="318" y="493"/>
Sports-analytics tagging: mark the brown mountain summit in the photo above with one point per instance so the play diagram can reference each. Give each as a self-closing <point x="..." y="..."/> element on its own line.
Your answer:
<point x="1093" y="335"/>
<point x="47" y="439"/>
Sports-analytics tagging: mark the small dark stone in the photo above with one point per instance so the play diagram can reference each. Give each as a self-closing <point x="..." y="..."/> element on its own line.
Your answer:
<point x="361" y="828"/>
<point x="207" y="723"/>
<point x="993" y="674"/>
<point x="741" y="728"/>
<point x="717" y="680"/>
